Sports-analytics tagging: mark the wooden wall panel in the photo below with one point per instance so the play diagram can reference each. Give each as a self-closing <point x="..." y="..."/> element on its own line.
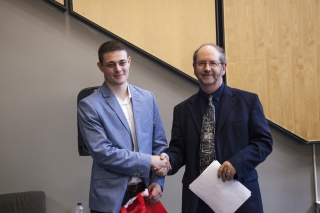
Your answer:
<point x="270" y="24"/>
<point x="168" y="30"/>
<point x="60" y="1"/>
<point x="279" y="103"/>
<point x="272" y="49"/>
<point x="317" y="27"/>
<point x="60" y="4"/>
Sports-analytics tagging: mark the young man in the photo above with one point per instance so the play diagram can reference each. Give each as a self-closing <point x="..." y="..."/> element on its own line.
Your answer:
<point x="123" y="131"/>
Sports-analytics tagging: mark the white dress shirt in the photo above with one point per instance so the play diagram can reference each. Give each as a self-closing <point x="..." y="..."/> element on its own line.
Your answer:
<point x="126" y="106"/>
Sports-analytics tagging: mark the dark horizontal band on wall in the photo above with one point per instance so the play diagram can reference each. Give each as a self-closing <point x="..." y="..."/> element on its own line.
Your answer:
<point x="295" y="137"/>
<point x="61" y="7"/>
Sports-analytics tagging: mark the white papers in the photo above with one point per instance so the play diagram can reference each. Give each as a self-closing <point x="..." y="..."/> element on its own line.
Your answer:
<point x="222" y="197"/>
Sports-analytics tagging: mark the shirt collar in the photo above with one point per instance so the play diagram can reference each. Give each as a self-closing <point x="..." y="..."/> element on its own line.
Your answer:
<point x="216" y="94"/>
<point x="129" y="92"/>
<point x="127" y="100"/>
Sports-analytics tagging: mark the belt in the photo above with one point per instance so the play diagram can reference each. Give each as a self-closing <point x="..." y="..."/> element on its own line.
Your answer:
<point x="135" y="187"/>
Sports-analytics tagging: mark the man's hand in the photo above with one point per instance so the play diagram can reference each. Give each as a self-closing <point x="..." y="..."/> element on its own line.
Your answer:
<point x="155" y="193"/>
<point x="160" y="164"/>
<point x="226" y="171"/>
<point x="164" y="170"/>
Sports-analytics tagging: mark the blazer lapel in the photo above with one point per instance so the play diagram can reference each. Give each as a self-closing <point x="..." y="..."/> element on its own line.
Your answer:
<point x="227" y="103"/>
<point x="112" y="101"/>
<point x="195" y="111"/>
<point x="136" y="109"/>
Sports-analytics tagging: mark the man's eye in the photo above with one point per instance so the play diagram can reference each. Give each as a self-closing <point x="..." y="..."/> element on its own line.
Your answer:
<point x="110" y="65"/>
<point x="122" y="63"/>
<point x="214" y="64"/>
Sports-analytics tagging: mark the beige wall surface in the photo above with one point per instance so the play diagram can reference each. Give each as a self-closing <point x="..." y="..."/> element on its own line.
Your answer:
<point x="273" y="49"/>
<point x="46" y="58"/>
<point x="168" y="30"/>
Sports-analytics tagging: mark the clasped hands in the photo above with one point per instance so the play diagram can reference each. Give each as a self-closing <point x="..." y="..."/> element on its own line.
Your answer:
<point x="160" y="164"/>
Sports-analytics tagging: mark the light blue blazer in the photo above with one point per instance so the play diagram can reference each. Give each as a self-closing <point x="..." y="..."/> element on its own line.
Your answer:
<point x="107" y="136"/>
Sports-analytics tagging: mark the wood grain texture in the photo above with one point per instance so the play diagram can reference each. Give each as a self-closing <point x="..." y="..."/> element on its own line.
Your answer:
<point x="273" y="49"/>
<point x="169" y="30"/>
<point x="60" y="1"/>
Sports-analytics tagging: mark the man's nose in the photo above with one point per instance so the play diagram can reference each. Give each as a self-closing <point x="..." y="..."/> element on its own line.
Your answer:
<point x="207" y="67"/>
<point x="117" y="67"/>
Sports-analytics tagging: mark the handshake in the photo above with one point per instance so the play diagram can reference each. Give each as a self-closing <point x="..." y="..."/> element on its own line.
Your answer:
<point x="160" y="164"/>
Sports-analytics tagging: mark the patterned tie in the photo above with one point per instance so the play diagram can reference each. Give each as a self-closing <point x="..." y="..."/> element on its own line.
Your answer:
<point x="207" y="149"/>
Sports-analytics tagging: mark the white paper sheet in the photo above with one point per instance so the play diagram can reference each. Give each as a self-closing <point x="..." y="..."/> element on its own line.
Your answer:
<point x="222" y="197"/>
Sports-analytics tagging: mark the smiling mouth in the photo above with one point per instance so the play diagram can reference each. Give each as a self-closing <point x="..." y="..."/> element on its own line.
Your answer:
<point x="117" y="75"/>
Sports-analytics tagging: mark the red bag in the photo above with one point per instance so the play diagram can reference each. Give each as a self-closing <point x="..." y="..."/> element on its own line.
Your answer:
<point x="139" y="206"/>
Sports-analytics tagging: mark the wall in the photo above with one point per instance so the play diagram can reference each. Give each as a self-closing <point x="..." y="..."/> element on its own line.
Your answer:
<point x="46" y="58"/>
<point x="160" y="28"/>
<point x="276" y="46"/>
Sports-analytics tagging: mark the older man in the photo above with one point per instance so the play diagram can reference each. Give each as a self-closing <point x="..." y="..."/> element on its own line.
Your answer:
<point x="235" y="133"/>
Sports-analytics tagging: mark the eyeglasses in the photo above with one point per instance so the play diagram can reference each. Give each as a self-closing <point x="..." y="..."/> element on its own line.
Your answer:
<point x="203" y="64"/>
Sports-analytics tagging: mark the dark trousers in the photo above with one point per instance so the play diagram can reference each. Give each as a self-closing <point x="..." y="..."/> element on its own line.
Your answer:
<point x="203" y="207"/>
<point x="126" y="198"/>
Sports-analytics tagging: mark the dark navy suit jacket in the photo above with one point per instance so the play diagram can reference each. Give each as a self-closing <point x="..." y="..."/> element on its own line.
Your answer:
<point x="243" y="138"/>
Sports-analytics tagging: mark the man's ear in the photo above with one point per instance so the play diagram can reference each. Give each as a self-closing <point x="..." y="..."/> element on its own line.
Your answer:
<point x="224" y="66"/>
<point x="99" y="66"/>
<point x="194" y="68"/>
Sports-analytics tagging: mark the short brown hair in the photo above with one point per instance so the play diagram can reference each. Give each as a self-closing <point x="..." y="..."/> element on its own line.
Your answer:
<point x="110" y="46"/>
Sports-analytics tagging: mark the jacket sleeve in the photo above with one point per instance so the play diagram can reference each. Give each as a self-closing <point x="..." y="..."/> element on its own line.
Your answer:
<point x="258" y="146"/>
<point x="104" y="151"/>
<point x="159" y="141"/>
<point x="177" y="149"/>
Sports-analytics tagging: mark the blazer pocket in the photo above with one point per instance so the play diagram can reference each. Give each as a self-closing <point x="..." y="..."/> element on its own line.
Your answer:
<point x="238" y="119"/>
<point x="105" y="175"/>
<point x="239" y="130"/>
<point x="239" y="125"/>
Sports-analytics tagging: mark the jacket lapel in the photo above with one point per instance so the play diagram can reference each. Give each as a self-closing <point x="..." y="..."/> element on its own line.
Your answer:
<point x="112" y="101"/>
<point x="227" y="103"/>
<point x="136" y="109"/>
<point x="195" y="111"/>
